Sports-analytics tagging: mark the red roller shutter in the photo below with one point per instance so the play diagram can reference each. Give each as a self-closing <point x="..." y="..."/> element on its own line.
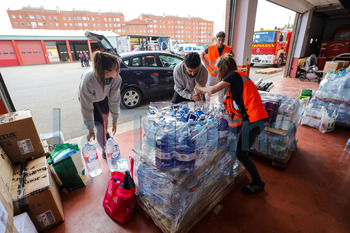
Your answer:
<point x="7" y="54"/>
<point x="31" y="52"/>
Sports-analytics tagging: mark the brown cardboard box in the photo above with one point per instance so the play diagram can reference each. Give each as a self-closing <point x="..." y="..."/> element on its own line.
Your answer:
<point x="39" y="196"/>
<point x="6" y="169"/>
<point x="19" y="137"/>
<point x="334" y="65"/>
<point x="6" y="210"/>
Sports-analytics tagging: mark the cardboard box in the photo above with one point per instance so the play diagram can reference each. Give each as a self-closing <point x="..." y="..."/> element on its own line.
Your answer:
<point x="35" y="192"/>
<point x="6" y="211"/>
<point x="19" y="137"/>
<point x="334" y="65"/>
<point x="6" y="169"/>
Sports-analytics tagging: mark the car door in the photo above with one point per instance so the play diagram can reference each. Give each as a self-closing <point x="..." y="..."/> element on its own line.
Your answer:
<point x="168" y="63"/>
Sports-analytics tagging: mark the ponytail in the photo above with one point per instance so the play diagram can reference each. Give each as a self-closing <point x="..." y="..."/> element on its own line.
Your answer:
<point x="104" y="61"/>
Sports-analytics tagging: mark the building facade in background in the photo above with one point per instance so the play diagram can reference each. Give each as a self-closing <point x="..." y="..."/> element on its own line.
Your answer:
<point x="191" y="29"/>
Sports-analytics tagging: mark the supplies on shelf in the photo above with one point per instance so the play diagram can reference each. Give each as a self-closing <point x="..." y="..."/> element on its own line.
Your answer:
<point x="334" y="95"/>
<point x="277" y="140"/>
<point x="185" y="166"/>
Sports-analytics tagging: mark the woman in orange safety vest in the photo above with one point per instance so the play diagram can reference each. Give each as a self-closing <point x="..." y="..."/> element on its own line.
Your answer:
<point x="250" y="117"/>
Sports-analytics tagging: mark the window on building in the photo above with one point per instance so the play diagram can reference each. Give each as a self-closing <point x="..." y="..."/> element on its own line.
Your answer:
<point x="34" y="25"/>
<point x="22" y="23"/>
<point x="154" y="21"/>
<point x="118" y="19"/>
<point x="31" y="17"/>
<point x="105" y="19"/>
<point x="93" y="25"/>
<point x="70" y="24"/>
<point x="106" y="25"/>
<point x="84" y="18"/>
<point x="69" y="18"/>
<point x="93" y="19"/>
<point x="20" y="16"/>
<point x="119" y="30"/>
<point x="55" y="18"/>
<point x="65" y="24"/>
<point x="97" y="19"/>
<point x="57" y="24"/>
<point x="51" y="24"/>
<point x="80" y="24"/>
<point x="16" y="23"/>
<point x="155" y="31"/>
<point x="78" y="18"/>
<point x="64" y="18"/>
<point x="98" y="25"/>
<point x="40" y="24"/>
<point x="38" y="16"/>
<point x="109" y="19"/>
<point x="85" y="24"/>
<point x="13" y="16"/>
<point x="118" y="24"/>
<point x="110" y="25"/>
<point x="50" y="18"/>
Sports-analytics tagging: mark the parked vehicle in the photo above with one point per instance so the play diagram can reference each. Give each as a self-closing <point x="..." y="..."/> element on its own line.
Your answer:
<point x="146" y="74"/>
<point x="339" y="43"/>
<point x="270" y="47"/>
<point x="103" y="42"/>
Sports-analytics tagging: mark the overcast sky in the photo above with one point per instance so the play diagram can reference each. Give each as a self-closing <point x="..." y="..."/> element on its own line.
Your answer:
<point x="269" y="15"/>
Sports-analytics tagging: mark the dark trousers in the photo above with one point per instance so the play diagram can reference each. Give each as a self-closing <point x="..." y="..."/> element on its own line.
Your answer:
<point x="101" y="112"/>
<point x="243" y="147"/>
<point x="178" y="98"/>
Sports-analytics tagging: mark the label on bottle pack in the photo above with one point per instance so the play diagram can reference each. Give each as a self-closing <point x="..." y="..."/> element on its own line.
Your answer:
<point x="187" y="157"/>
<point x="162" y="155"/>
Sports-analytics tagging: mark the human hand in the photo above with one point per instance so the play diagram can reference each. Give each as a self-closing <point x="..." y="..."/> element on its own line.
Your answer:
<point x="90" y="135"/>
<point x="114" y="128"/>
<point x="197" y="96"/>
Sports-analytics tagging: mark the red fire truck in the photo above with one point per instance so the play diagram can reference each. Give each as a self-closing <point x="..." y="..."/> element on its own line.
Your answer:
<point x="270" y="47"/>
<point x="339" y="43"/>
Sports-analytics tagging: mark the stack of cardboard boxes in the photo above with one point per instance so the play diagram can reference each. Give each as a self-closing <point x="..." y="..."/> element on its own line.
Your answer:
<point x="28" y="186"/>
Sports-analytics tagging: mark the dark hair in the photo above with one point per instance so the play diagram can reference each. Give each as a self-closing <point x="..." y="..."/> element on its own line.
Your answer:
<point x="221" y="34"/>
<point x="225" y="65"/>
<point x="192" y="60"/>
<point x="104" y="61"/>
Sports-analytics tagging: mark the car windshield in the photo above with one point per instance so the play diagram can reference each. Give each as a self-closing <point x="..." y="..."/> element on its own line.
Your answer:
<point x="264" y="37"/>
<point x="106" y="45"/>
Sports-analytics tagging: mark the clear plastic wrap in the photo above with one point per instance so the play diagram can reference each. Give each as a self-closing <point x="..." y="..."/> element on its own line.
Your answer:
<point x="278" y="139"/>
<point x="334" y="95"/>
<point x="187" y="163"/>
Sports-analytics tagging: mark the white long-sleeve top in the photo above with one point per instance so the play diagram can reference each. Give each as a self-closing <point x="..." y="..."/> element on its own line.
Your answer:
<point x="184" y="85"/>
<point x="90" y="91"/>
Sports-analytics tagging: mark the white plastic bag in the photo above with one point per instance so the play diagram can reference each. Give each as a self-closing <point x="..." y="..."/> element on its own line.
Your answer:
<point x="311" y="117"/>
<point x="327" y="122"/>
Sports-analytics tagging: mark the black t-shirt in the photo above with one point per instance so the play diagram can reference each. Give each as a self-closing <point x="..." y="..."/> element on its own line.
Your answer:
<point x="220" y="50"/>
<point x="236" y="85"/>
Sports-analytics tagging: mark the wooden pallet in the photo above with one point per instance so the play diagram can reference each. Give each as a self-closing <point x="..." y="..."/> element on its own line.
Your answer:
<point x="207" y="202"/>
<point x="275" y="163"/>
<point x="269" y="71"/>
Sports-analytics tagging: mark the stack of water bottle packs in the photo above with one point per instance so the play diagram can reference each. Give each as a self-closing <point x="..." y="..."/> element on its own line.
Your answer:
<point x="277" y="140"/>
<point x="334" y="95"/>
<point x="185" y="165"/>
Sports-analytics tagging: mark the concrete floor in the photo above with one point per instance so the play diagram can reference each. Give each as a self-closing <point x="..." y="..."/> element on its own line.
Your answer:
<point x="311" y="195"/>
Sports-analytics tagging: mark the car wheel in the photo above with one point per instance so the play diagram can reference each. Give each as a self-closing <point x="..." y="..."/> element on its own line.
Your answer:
<point x="131" y="98"/>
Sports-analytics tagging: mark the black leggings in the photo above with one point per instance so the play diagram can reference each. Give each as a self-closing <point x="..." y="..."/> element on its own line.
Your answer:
<point x="101" y="112"/>
<point x="243" y="153"/>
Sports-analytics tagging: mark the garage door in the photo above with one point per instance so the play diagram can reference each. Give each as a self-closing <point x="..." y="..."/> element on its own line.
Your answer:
<point x="7" y="54"/>
<point x="31" y="52"/>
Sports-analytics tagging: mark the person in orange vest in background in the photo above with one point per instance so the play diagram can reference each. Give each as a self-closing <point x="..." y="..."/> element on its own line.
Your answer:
<point x="81" y="59"/>
<point x="209" y="57"/>
<point x="248" y="120"/>
<point x="86" y="61"/>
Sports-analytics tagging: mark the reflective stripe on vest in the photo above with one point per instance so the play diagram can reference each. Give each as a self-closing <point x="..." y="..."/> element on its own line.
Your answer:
<point x="213" y="55"/>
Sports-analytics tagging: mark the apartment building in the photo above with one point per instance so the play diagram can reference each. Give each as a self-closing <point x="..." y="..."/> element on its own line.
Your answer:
<point x="183" y="29"/>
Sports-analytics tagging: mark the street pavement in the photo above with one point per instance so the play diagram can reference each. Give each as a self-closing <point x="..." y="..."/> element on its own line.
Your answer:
<point x="42" y="88"/>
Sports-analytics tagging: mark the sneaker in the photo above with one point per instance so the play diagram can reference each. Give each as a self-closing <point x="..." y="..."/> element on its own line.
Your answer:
<point x="250" y="189"/>
<point x="104" y="155"/>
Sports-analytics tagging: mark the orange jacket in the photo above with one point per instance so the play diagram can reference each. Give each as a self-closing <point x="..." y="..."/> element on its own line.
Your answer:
<point x="213" y="55"/>
<point x="252" y="103"/>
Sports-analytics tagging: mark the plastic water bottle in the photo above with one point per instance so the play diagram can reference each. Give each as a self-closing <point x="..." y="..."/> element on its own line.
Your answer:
<point x="145" y="174"/>
<point x="186" y="154"/>
<point x="347" y="147"/>
<point x="112" y="154"/>
<point x="223" y="131"/>
<point x="212" y="143"/>
<point x="151" y="137"/>
<point x="165" y="149"/>
<point x="200" y="138"/>
<point x="162" y="189"/>
<point x="91" y="160"/>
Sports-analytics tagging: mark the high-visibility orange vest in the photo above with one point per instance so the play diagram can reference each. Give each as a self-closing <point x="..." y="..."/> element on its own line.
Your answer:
<point x="213" y="55"/>
<point x="252" y="103"/>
